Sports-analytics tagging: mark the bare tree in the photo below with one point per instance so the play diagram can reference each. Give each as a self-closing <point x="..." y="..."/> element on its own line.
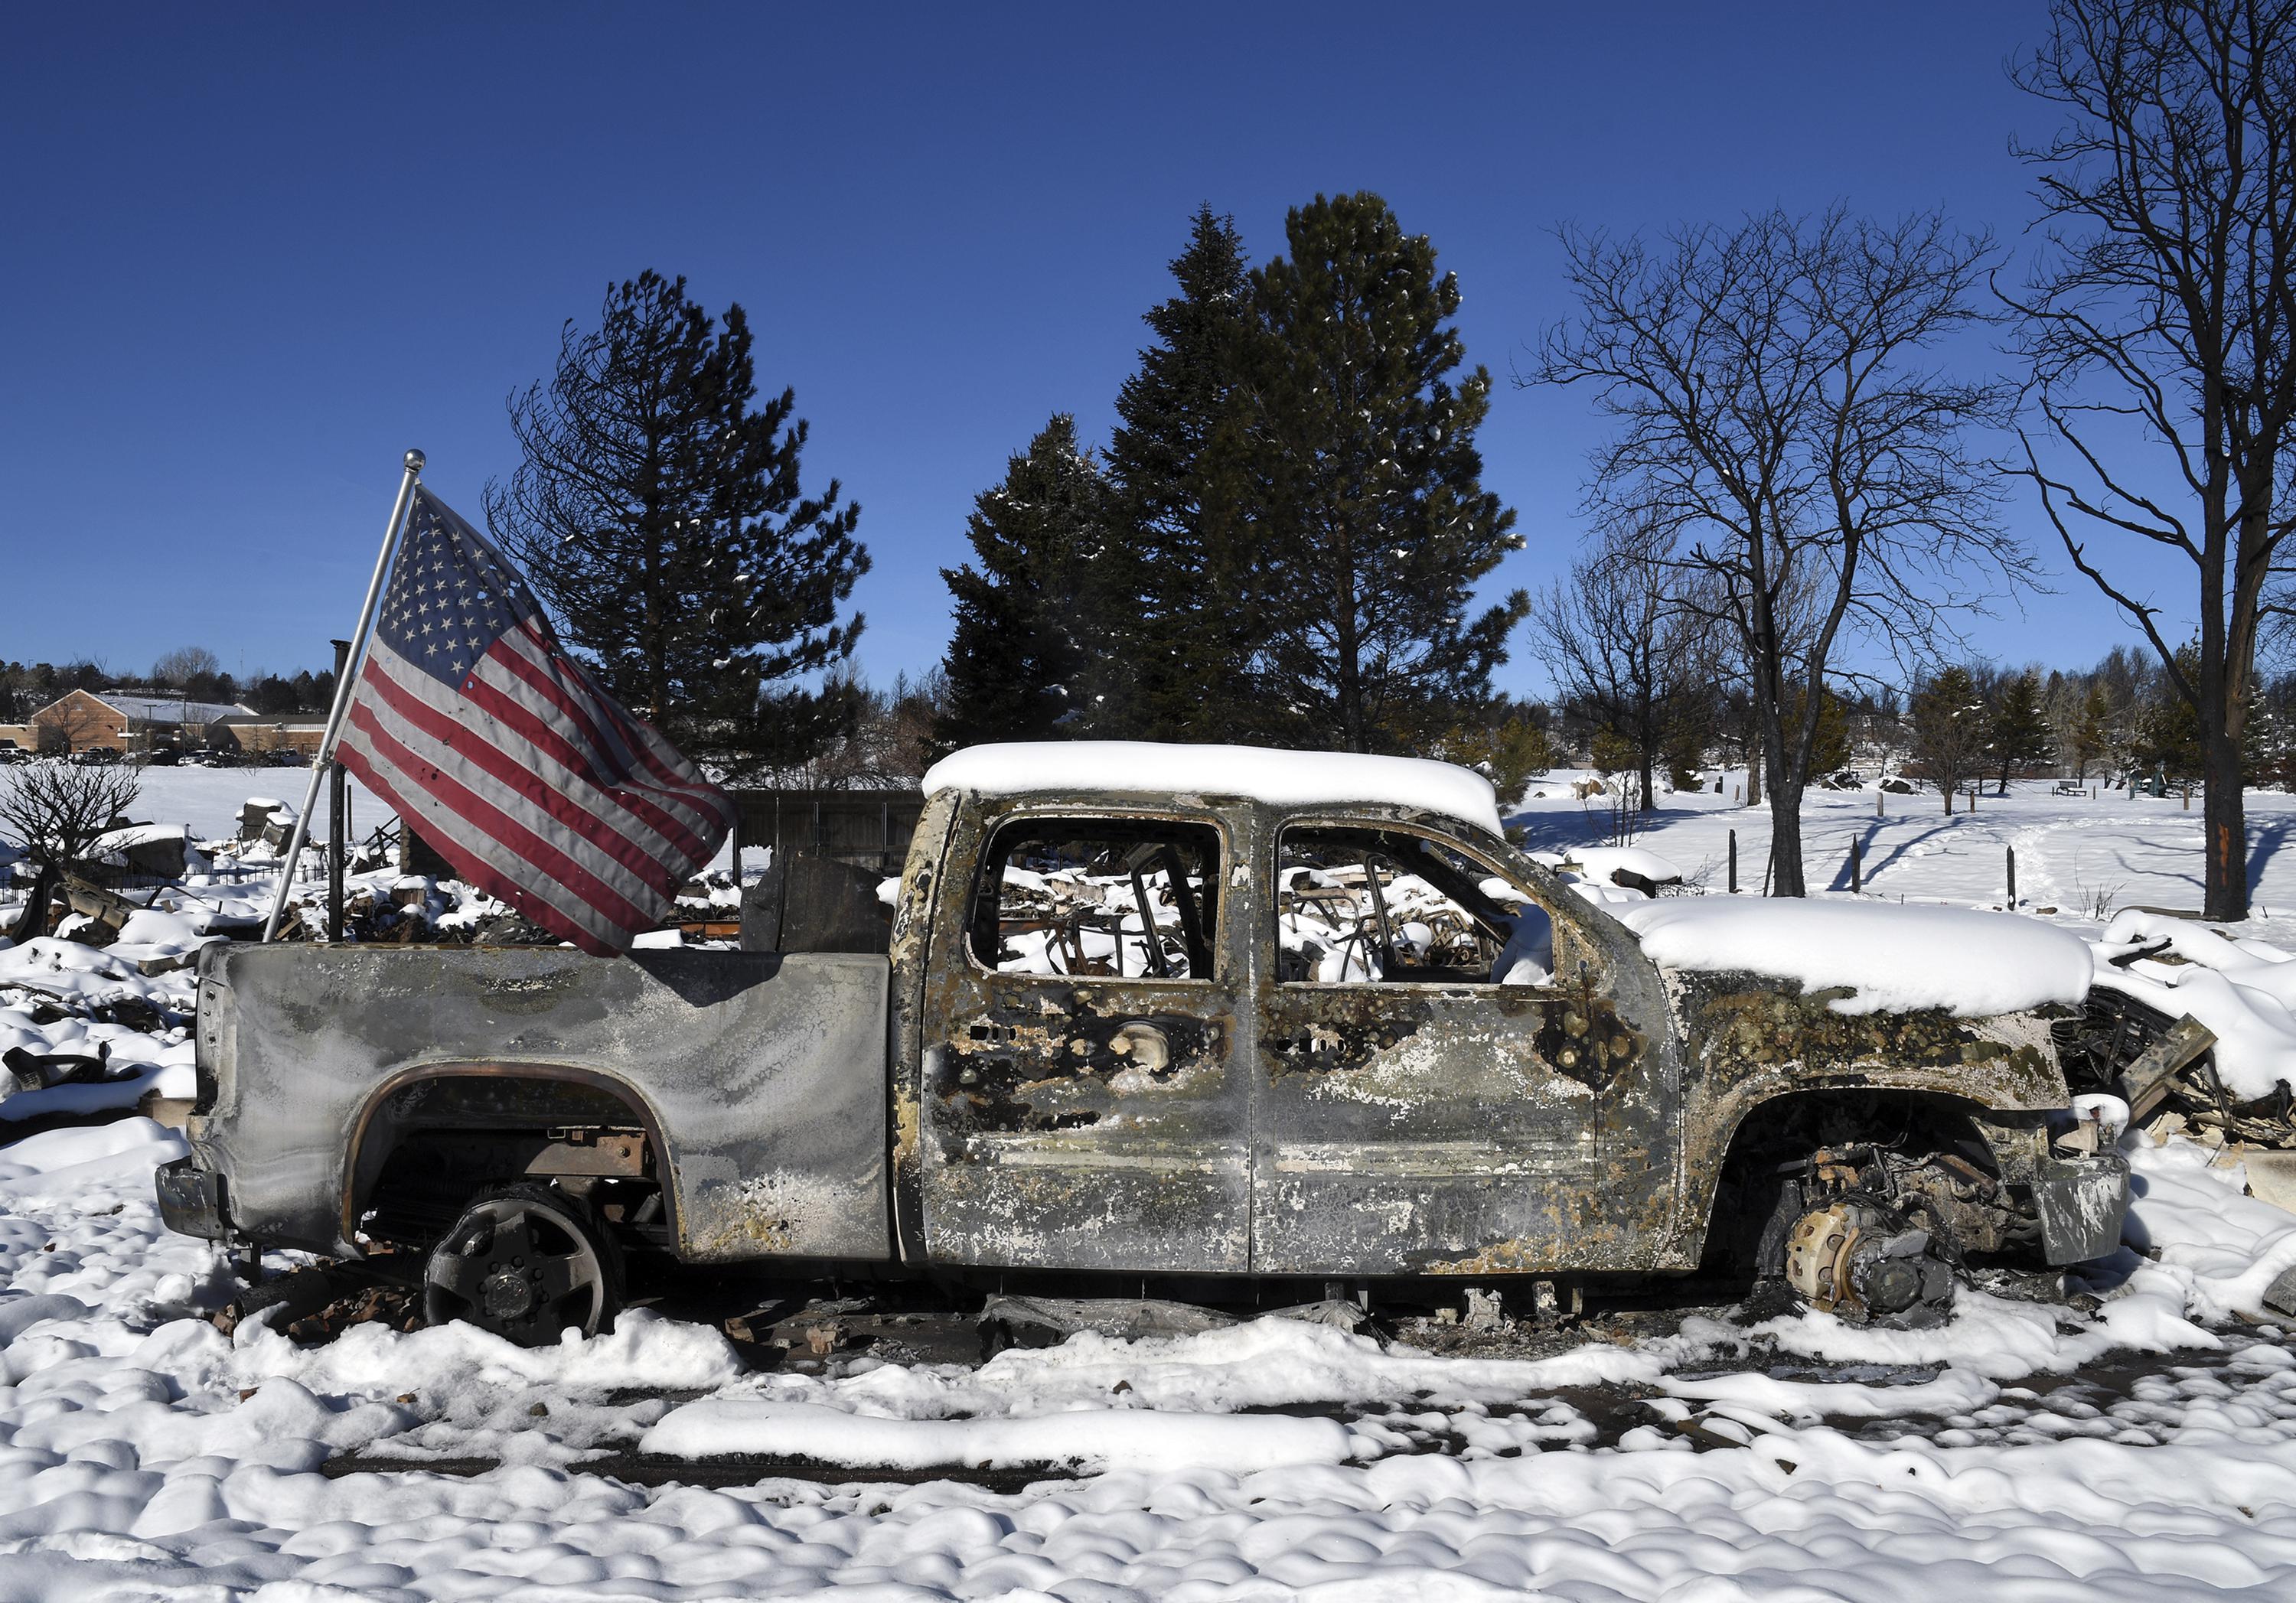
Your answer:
<point x="56" y="810"/>
<point x="891" y="737"/>
<point x="2159" y="326"/>
<point x="184" y="664"/>
<point x="1624" y="650"/>
<point x="1779" y="417"/>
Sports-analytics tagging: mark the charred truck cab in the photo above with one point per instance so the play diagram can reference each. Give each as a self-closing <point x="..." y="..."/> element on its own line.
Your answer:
<point x="1147" y="1011"/>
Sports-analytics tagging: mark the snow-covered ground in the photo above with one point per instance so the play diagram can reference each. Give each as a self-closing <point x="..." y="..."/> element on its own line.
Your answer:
<point x="208" y="799"/>
<point x="2074" y="854"/>
<point x="146" y="1454"/>
<point x="2140" y="1446"/>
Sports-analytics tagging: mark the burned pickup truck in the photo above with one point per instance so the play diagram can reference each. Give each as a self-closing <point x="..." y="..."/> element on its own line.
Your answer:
<point x="1145" y="1012"/>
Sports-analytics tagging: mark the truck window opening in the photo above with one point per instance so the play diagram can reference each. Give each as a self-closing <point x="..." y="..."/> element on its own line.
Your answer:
<point x="1367" y="906"/>
<point x="1120" y="898"/>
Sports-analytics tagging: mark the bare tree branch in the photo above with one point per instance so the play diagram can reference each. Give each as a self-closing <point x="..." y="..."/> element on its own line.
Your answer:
<point x="2157" y="329"/>
<point x="1780" y="428"/>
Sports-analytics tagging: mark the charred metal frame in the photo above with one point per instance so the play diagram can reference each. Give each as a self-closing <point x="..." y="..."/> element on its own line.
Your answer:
<point x="928" y="1110"/>
<point x="1040" y="1143"/>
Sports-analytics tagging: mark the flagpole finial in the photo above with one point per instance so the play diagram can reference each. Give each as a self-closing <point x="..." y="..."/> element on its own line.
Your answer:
<point x="414" y="461"/>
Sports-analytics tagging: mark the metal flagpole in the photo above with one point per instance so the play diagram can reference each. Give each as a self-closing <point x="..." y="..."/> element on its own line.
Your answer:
<point x="338" y="815"/>
<point x="342" y="694"/>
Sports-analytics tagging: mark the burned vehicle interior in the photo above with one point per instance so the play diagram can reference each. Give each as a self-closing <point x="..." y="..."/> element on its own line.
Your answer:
<point x="1358" y="904"/>
<point x="1120" y="898"/>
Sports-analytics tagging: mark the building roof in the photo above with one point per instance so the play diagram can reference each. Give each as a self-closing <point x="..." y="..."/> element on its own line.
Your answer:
<point x="168" y="710"/>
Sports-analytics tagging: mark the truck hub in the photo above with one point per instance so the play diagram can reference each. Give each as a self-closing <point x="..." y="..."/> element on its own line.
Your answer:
<point x="505" y="1296"/>
<point x="1851" y="1258"/>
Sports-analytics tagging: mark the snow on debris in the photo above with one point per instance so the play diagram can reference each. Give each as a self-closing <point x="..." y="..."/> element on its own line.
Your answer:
<point x="2220" y="1250"/>
<point x="2243" y="990"/>
<point x="1892" y="958"/>
<point x="1601" y="862"/>
<point x="1283" y="779"/>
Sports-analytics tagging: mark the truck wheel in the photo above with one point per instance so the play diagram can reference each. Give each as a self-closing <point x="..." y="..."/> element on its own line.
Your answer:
<point x="525" y="1261"/>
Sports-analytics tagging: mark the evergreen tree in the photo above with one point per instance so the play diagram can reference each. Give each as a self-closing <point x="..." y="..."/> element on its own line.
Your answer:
<point x="2268" y="746"/>
<point x="1829" y="748"/>
<point x="1026" y="635"/>
<point x="660" y="515"/>
<point x="1180" y="550"/>
<point x="1374" y="524"/>
<point x="1508" y="746"/>
<point x="1951" y="731"/>
<point x="2168" y="732"/>
<point x="2019" y="730"/>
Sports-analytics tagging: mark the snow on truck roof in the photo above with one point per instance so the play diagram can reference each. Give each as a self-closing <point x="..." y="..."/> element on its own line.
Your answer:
<point x="1283" y="779"/>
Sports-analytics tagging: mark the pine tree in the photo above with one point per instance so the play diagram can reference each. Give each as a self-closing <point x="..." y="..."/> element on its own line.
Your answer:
<point x="1830" y="747"/>
<point x="1027" y="635"/>
<point x="1179" y="549"/>
<point x="661" y="517"/>
<point x="2168" y="735"/>
<point x="1372" y="522"/>
<point x="2268" y="747"/>
<point x="2019" y="730"/>
<point x="1949" y="729"/>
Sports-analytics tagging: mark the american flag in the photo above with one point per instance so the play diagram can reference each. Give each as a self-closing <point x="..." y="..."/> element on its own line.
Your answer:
<point x="472" y="721"/>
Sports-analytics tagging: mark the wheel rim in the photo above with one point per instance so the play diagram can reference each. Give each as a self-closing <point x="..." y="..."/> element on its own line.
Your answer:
<point x="519" y="1267"/>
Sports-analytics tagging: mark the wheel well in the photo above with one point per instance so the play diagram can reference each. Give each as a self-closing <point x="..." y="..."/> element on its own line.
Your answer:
<point x="428" y="1142"/>
<point x="1785" y="1129"/>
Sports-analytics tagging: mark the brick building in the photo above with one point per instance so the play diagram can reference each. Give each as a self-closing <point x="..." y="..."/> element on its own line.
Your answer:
<point x="128" y="722"/>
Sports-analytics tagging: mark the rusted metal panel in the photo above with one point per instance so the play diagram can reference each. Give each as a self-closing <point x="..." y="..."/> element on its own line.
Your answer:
<point x="1461" y="1128"/>
<point x="1042" y="1140"/>
<point x="912" y="955"/>
<point x="1748" y="1039"/>
<point x="763" y="1076"/>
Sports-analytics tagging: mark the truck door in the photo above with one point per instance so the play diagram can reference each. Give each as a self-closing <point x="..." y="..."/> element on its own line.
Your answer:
<point x="1080" y="1100"/>
<point x="1440" y="1070"/>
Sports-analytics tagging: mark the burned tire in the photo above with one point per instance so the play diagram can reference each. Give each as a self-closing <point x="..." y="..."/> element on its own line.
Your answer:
<point x="526" y="1262"/>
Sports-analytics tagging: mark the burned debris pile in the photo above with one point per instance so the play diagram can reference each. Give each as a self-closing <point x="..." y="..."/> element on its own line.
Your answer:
<point x="2163" y="1068"/>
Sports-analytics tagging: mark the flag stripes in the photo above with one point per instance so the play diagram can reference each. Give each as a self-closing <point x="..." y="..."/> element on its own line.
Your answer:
<point x="503" y="753"/>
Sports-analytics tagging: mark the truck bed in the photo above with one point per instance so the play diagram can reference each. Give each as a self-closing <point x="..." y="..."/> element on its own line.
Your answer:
<point x="761" y="1078"/>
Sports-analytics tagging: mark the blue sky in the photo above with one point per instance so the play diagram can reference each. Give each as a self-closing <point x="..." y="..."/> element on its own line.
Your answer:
<point x="256" y="251"/>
